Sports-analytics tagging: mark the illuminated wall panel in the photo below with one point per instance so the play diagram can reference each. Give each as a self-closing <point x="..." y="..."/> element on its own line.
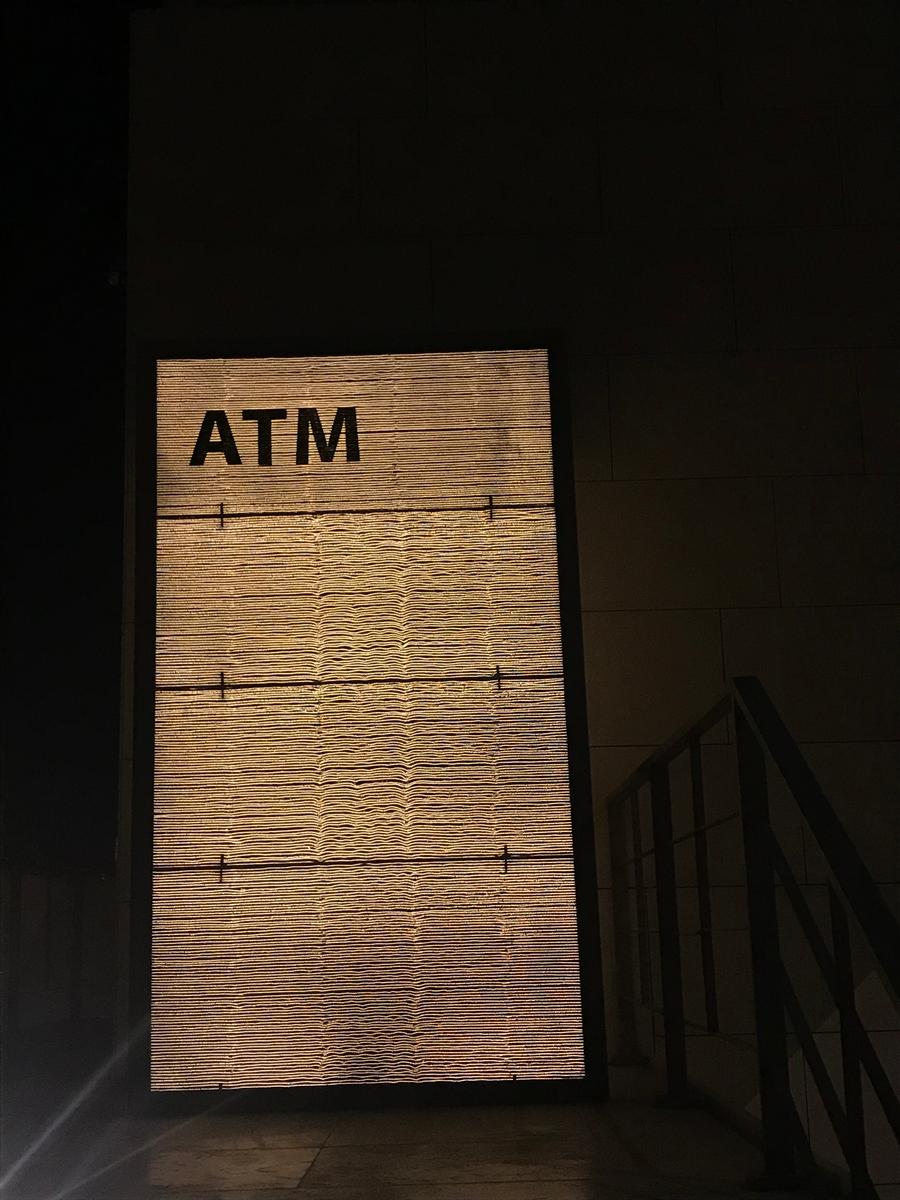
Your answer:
<point x="362" y="847"/>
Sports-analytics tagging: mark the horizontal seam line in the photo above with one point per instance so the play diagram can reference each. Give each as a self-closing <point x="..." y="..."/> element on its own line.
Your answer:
<point x="296" y="683"/>
<point x="347" y="512"/>
<point x="276" y="864"/>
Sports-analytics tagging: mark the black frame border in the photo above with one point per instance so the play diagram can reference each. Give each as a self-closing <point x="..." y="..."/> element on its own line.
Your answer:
<point x="595" y="1084"/>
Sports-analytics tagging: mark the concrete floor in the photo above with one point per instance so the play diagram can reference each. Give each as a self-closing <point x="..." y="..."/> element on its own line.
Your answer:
<point x="626" y="1150"/>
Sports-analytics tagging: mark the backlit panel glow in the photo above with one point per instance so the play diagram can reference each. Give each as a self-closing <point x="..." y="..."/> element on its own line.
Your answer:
<point x="362" y="846"/>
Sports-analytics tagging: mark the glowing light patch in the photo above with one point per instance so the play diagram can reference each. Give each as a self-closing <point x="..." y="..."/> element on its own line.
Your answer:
<point x="362" y="832"/>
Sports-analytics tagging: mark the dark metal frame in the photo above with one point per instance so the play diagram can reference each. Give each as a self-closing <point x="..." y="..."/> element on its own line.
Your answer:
<point x="74" y="915"/>
<point x="760" y="736"/>
<point x="595" y="1083"/>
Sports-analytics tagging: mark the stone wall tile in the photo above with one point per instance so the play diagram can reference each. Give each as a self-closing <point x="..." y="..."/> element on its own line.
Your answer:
<point x="847" y="772"/>
<point x="810" y="52"/>
<point x="324" y="289"/>
<point x="485" y="175"/>
<point x="668" y="292"/>
<point x="588" y="390"/>
<point x="720" y="168"/>
<point x="736" y="414"/>
<point x="262" y="181"/>
<point x="676" y="544"/>
<point x="504" y="59"/>
<point x="839" y="540"/>
<point x="836" y="288"/>
<point x="775" y="54"/>
<point x="878" y="377"/>
<point x="648" y="673"/>
<point x="288" y="63"/>
<point x="651" y="54"/>
<point x="870" y="159"/>
<point x="871" y="34"/>
<point x="831" y="672"/>
<point x="521" y="285"/>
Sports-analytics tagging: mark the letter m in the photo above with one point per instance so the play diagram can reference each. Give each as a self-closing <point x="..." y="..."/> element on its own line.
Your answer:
<point x="344" y="422"/>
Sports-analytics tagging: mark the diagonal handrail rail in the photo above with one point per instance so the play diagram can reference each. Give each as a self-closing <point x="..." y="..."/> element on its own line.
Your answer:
<point x="844" y="860"/>
<point x="760" y="736"/>
<point x="828" y="969"/>
<point x="672" y="747"/>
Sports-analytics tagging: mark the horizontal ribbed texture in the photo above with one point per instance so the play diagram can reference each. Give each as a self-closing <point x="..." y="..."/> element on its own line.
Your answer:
<point x="287" y="606"/>
<point x="362" y="826"/>
<point x="450" y="430"/>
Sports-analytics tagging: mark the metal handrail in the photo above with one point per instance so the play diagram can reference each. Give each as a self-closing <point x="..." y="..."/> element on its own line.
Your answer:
<point x="759" y="735"/>
<point x="672" y="748"/>
<point x="15" y="876"/>
<point x="843" y="858"/>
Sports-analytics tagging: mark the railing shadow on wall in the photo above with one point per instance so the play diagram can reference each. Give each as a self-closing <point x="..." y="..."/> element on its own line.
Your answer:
<point x="839" y="930"/>
<point x="57" y="1000"/>
<point x="58" y="950"/>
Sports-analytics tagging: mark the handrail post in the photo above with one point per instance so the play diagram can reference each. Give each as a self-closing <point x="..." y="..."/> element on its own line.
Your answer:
<point x="627" y="1048"/>
<point x="776" y="1102"/>
<point x="669" y="935"/>
<point x="76" y="966"/>
<point x="704" y="906"/>
<point x="869" y="906"/>
<point x="640" y="901"/>
<point x="13" y="981"/>
<point x="855" y="1148"/>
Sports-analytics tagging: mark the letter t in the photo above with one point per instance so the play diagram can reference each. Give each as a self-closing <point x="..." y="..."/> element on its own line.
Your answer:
<point x="264" y="418"/>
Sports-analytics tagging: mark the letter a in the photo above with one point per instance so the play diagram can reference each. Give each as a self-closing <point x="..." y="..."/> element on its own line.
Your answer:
<point x="215" y="421"/>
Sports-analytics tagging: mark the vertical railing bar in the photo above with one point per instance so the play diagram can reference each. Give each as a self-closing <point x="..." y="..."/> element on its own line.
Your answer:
<point x="869" y="905"/>
<point x="627" y="1049"/>
<point x="853" y="1096"/>
<point x="812" y="1057"/>
<point x="13" y="981"/>
<point x="776" y="1101"/>
<point x="640" y="897"/>
<point x="704" y="906"/>
<point x="669" y="934"/>
<point x="825" y="961"/>
<point x="75" y="965"/>
<point x="48" y="942"/>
